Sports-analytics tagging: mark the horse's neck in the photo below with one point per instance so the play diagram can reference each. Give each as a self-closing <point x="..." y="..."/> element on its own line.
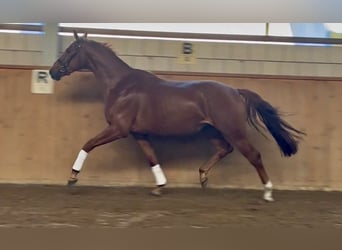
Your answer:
<point x="108" y="69"/>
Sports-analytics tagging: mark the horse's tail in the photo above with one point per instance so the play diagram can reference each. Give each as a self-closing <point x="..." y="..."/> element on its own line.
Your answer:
<point x="285" y="135"/>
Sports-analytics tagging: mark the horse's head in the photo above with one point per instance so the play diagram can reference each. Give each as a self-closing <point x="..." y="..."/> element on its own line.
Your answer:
<point x="71" y="60"/>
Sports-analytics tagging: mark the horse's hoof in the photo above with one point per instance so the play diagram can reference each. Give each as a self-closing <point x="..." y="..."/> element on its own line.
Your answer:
<point x="72" y="182"/>
<point x="203" y="178"/>
<point x="204" y="182"/>
<point x="268" y="199"/>
<point x="156" y="192"/>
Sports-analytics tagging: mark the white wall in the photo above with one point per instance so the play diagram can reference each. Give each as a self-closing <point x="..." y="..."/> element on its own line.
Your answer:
<point x="21" y="49"/>
<point x="161" y="55"/>
<point x="231" y="57"/>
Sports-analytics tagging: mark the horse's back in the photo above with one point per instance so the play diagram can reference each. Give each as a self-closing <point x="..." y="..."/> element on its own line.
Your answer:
<point x="207" y="95"/>
<point x="215" y="93"/>
<point x="164" y="106"/>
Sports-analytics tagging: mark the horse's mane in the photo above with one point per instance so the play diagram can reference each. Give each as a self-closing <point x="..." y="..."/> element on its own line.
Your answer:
<point x="106" y="46"/>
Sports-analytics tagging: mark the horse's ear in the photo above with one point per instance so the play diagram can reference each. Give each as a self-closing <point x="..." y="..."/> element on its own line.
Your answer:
<point x="85" y="35"/>
<point x="75" y="34"/>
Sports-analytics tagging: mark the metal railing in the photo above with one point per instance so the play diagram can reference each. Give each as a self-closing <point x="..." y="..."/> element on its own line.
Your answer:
<point x="179" y="35"/>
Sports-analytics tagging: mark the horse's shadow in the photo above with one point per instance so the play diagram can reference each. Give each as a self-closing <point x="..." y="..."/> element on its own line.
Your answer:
<point x="80" y="88"/>
<point x="174" y="148"/>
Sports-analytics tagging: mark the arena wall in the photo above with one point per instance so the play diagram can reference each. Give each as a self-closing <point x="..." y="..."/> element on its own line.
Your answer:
<point x="42" y="134"/>
<point x="210" y="57"/>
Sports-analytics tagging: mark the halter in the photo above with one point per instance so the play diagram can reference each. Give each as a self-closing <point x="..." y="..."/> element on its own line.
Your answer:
<point x="64" y="66"/>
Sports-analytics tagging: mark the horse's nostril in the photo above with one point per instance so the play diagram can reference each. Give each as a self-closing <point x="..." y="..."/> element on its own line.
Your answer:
<point x="54" y="74"/>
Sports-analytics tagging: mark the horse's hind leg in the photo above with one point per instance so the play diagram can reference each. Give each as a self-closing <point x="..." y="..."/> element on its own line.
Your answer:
<point x="222" y="148"/>
<point x="246" y="148"/>
<point x="156" y="169"/>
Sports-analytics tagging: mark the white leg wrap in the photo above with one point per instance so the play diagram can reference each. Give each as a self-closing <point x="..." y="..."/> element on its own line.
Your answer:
<point x="268" y="191"/>
<point x="158" y="175"/>
<point x="82" y="155"/>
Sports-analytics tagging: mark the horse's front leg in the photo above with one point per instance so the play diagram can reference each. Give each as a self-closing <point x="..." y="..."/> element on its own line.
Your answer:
<point x="110" y="134"/>
<point x="156" y="169"/>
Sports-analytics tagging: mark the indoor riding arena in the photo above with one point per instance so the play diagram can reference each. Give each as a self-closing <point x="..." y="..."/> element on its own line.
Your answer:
<point x="44" y="124"/>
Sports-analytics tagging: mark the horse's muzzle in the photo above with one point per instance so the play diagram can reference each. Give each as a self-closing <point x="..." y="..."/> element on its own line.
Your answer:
<point x="55" y="75"/>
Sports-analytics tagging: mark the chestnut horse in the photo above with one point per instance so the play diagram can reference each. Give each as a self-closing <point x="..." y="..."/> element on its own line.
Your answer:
<point x="139" y="103"/>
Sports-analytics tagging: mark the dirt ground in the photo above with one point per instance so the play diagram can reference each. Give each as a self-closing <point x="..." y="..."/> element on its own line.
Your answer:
<point x="38" y="206"/>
